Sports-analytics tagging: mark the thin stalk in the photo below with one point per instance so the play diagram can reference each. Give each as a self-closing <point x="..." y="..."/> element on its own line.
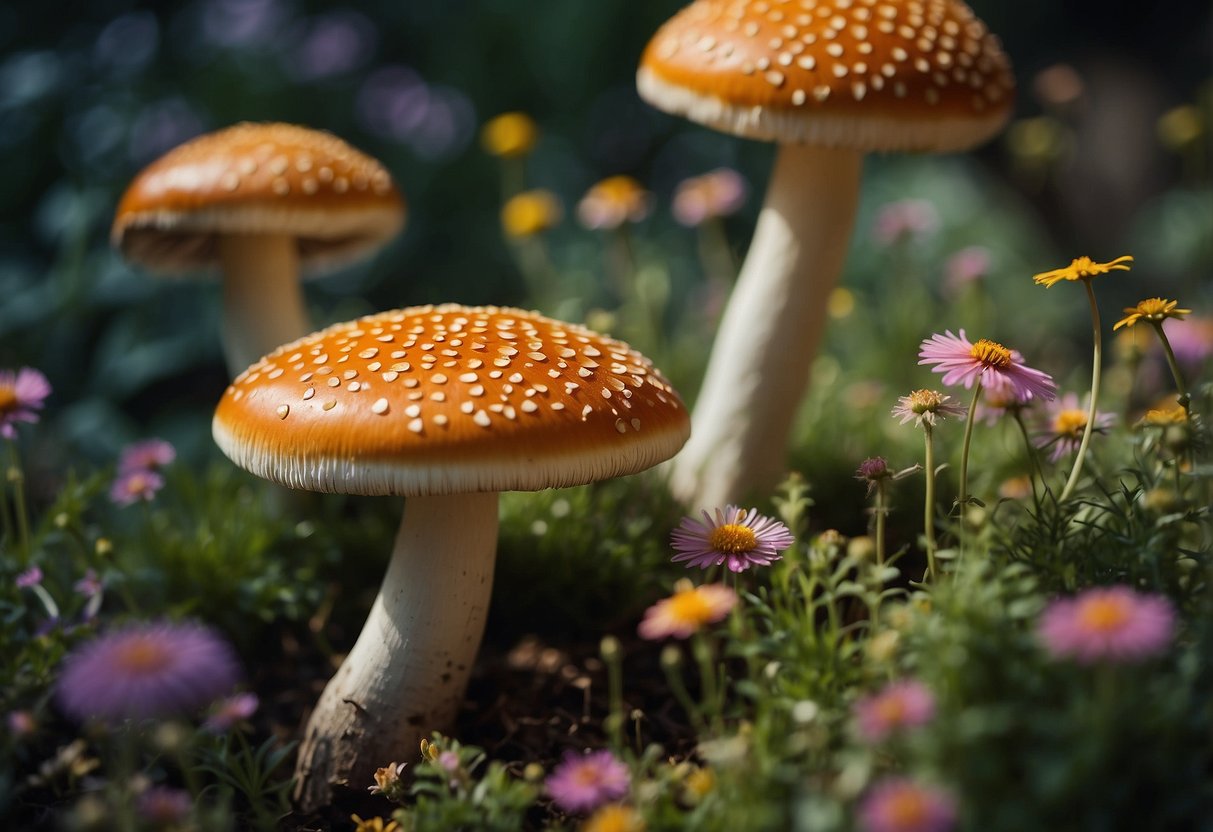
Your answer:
<point x="880" y="512"/>
<point x="16" y="476"/>
<point x="1032" y="457"/>
<point x="964" y="452"/>
<point x="928" y="519"/>
<point x="1184" y="399"/>
<point x="1095" y="375"/>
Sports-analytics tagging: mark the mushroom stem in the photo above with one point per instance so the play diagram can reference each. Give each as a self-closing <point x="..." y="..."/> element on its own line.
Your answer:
<point x="768" y="337"/>
<point x="408" y="670"/>
<point x="262" y="302"/>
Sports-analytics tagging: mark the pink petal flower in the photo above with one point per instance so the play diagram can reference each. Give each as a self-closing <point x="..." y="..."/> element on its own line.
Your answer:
<point x="901" y="805"/>
<point x="687" y="610"/>
<point x="899" y="706"/>
<point x="581" y="783"/>
<point x="964" y="362"/>
<point x="732" y="536"/>
<point x="22" y="394"/>
<point x="1114" y="624"/>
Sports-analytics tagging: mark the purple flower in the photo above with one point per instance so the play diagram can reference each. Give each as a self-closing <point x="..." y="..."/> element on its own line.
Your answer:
<point x="964" y="362"/>
<point x="900" y="705"/>
<point x="1066" y="424"/>
<point x="89" y="585"/>
<point x="29" y="578"/>
<point x="581" y="783"/>
<point x="897" y="804"/>
<point x="732" y="536"/>
<point x="145" y="671"/>
<point x="164" y="806"/>
<point x="146" y="455"/>
<point x="1116" y="624"/>
<point x="21" y="723"/>
<point x="965" y="267"/>
<point x="131" y="487"/>
<point x="1191" y="340"/>
<point x="718" y="193"/>
<point x="229" y="712"/>
<point x="21" y="395"/>
<point x="904" y="220"/>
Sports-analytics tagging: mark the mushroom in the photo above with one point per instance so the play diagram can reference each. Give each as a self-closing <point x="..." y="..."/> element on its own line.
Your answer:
<point x="446" y="406"/>
<point x="828" y="80"/>
<point x="259" y="201"/>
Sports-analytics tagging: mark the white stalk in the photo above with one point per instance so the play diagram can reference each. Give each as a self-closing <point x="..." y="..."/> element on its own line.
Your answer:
<point x="408" y="670"/>
<point x="262" y="301"/>
<point x="768" y="337"/>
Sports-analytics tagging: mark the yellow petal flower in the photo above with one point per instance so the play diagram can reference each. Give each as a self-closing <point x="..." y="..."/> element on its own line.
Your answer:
<point x="509" y="135"/>
<point x="1083" y="268"/>
<point x="1152" y="310"/>
<point x="530" y="213"/>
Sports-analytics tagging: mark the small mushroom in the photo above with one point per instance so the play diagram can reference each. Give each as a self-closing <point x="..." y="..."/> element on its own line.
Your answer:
<point x="259" y="201"/>
<point x="446" y="406"/>
<point x="828" y="80"/>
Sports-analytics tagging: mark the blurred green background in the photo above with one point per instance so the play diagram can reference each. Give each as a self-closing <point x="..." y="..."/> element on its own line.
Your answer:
<point x="1109" y="153"/>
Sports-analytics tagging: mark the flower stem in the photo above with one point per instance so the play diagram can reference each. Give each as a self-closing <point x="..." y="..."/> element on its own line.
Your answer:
<point x="16" y="478"/>
<point x="964" y="451"/>
<point x="880" y="512"/>
<point x="1184" y="399"/>
<point x="928" y="519"/>
<point x="1095" y="374"/>
<point x="1032" y="457"/>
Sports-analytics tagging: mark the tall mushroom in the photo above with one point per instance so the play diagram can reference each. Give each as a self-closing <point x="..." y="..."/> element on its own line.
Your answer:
<point x="259" y="201"/>
<point x="447" y="406"/>
<point x="828" y="80"/>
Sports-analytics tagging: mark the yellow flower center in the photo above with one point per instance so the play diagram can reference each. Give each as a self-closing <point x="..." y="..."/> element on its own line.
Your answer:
<point x="140" y="655"/>
<point x="8" y="399"/>
<point x="689" y="607"/>
<point x="1155" y="307"/>
<point x="1103" y="615"/>
<point x="891" y="709"/>
<point x="907" y="810"/>
<point x="733" y="539"/>
<point x="991" y="353"/>
<point x="925" y="401"/>
<point x="1070" y="423"/>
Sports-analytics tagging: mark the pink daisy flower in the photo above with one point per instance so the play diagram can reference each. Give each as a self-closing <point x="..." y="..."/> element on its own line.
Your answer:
<point x="227" y="713"/>
<point x="146" y="455"/>
<point x="581" y="783"/>
<point x="963" y="362"/>
<point x="717" y="193"/>
<point x="687" y="610"/>
<point x="30" y="578"/>
<point x="22" y="394"/>
<point x="133" y="486"/>
<point x="998" y="398"/>
<point x="900" y="705"/>
<point x="1066" y="423"/>
<point x="145" y="671"/>
<point x="1115" y="623"/>
<point x="732" y="536"/>
<point x="965" y="267"/>
<point x="897" y="804"/>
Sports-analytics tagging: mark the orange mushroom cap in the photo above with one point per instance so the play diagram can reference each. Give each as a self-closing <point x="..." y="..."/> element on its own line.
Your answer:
<point x="862" y="74"/>
<point x="446" y="400"/>
<point x="257" y="179"/>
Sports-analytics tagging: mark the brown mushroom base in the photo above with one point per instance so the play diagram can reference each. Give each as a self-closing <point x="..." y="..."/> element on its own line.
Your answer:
<point x="759" y="366"/>
<point x="262" y="302"/>
<point x="408" y="670"/>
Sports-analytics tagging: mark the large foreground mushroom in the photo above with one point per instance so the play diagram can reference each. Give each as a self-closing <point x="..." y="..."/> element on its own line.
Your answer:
<point x="447" y="406"/>
<point x="259" y="201"/>
<point x="829" y="80"/>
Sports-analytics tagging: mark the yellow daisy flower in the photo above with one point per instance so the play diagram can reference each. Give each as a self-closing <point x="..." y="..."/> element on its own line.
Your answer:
<point x="1083" y="268"/>
<point x="509" y="135"/>
<point x="530" y="213"/>
<point x="1151" y="310"/>
<point x="614" y="818"/>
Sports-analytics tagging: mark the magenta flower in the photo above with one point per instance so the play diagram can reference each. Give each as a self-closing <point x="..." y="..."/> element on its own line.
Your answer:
<point x="131" y="487"/>
<point x="21" y="723"/>
<point x="29" y="578"/>
<point x="965" y="267"/>
<point x="904" y="220"/>
<point x="89" y="585"/>
<point x="1115" y="624"/>
<point x="145" y="671"/>
<point x="1066" y="424"/>
<point x="897" y="804"/>
<point x="717" y="193"/>
<point x="21" y="395"/>
<point x="998" y="398"/>
<point x="964" y="362"/>
<point x="146" y="455"/>
<point x="581" y="783"/>
<point x="687" y="610"/>
<point x="229" y="712"/>
<point x="900" y="705"/>
<point x="733" y="536"/>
